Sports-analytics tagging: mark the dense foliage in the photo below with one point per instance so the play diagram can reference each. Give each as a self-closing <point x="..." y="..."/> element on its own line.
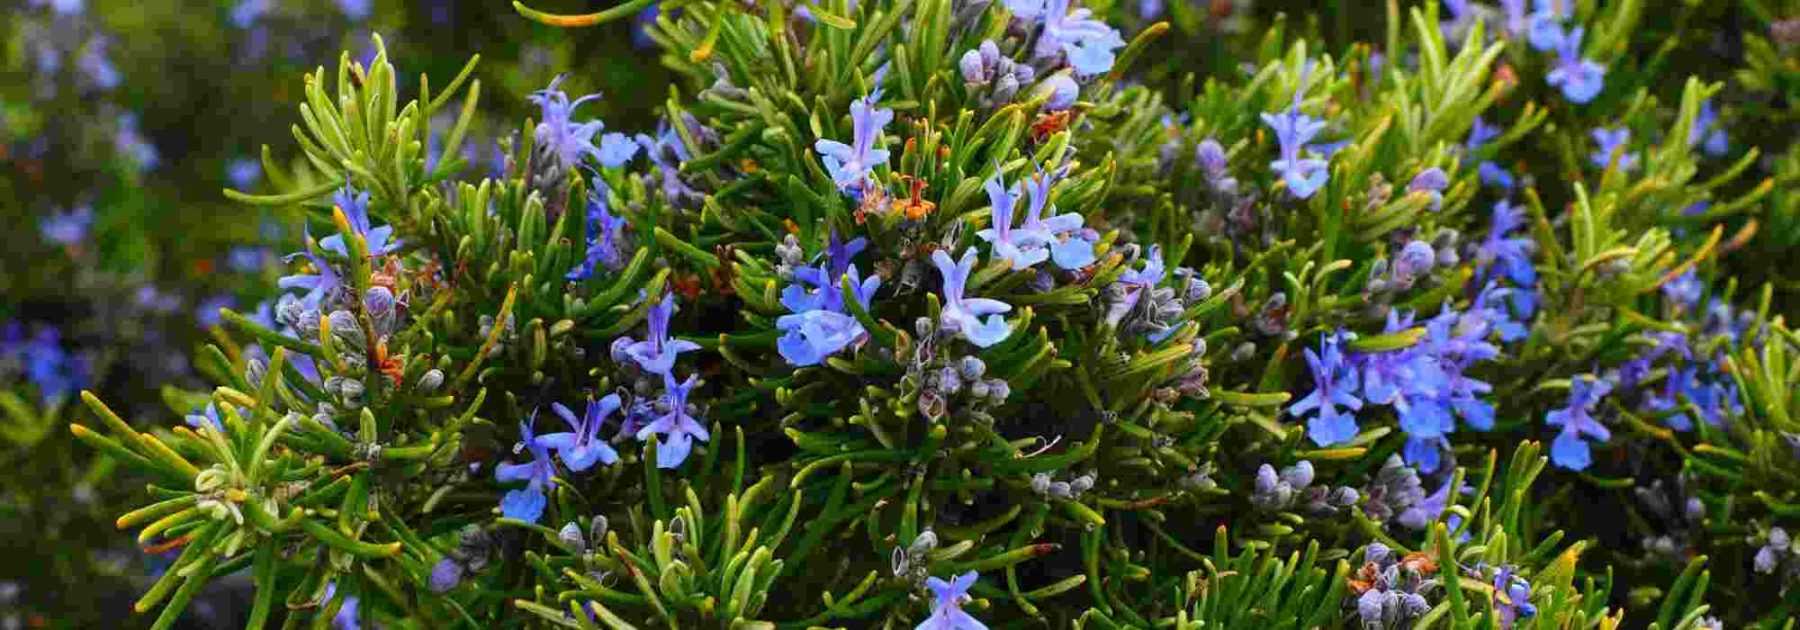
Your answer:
<point x="914" y="313"/>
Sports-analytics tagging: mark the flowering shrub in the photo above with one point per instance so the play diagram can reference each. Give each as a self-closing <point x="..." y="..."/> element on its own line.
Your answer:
<point x="924" y="314"/>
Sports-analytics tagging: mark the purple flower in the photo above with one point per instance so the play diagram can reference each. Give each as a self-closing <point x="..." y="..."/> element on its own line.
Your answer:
<point x="656" y="353"/>
<point x="677" y="428"/>
<point x="1414" y="261"/>
<point x="820" y="326"/>
<point x="1334" y="385"/>
<point x="445" y="575"/>
<point x="380" y="240"/>
<point x="52" y="369"/>
<point x="356" y="10"/>
<point x="207" y="312"/>
<point x="1515" y="16"/>
<point x="1608" y="142"/>
<point x="1087" y="43"/>
<point x="247" y="12"/>
<point x="322" y="283"/>
<point x="62" y="7"/>
<point x="667" y="152"/>
<point x="1304" y="176"/>
<point x="962" y="315"/>
<point x="947" y="602"/>
<point x="1428" y="509"/>
<point x="1512" y="598"/>
<point x="95" y="65"/>
<point x="1063" y="92"/>
<point x="348" y="617"/>
<point x="1070" y="248"/>
<point x="1579" y="79"/>
<point x="205" y="416"/>
<point x="850" y="164"/>
<point x="1134" y="284"/>
<point x="605" y="236"/>
<point x="1684" y="290"/>
<point x="1707" y="131"/>
<point x="1432" y="181"/>
<point x="244" y="259"/>
<point x="564" y="140"/>
<point x="527" y="504"/>
<point x="617" y="149"/>
<point x="1017" y="248"/>
<point x="128" y="140"/>
<point x="1508" y="255"/>
<point x="1577" y="421"/>
<point x="1492" y="174"/>
<point x="67" y="228"/>
<point x="1668" y="401"/>
<point x="242" y="172"/>
<point x="582" y="446"/>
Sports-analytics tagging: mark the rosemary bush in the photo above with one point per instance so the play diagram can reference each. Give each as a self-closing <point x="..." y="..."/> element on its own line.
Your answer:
<point x="914" y="313"/>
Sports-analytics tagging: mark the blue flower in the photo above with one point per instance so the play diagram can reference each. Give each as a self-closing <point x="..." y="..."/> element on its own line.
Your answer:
<point x="582" y="446"/>
<point x="605" y="235"/>
<point x="617" y="149"/>
<point x="1019" y="249"/>
<point x="565" y="141"/>
<point x="1684" y="290"/>
<point x="656" y="353"/>
<point x="242" y="172"/>
<point x="207" y="312"/>
<point x="963" y="315"/>
<point x="62" y="7"/>
<point x="1608" y="142"/>
<point x="129" y="141"/>
<point x="322" y="283"/>
<point x="1508" y="255"/>
<point x="1427" y="510"/>
<point x="1579" y="79"/>
<point x="1516" y="16"/>
<point x="95" y="65"/>
<point x="247" y="12"/>
<point x="810" y="336"/>
<point x="947" y="602"/>
<point x="820" y="326"/>
<point x="527" y="503"/>
<point x="244" y="259"/>
<point x="850" y="164"/>
<point x="205" y="416"/>
<point x="1334" y="386"/>
<point x="1063" y="92"/>
<point x="1667" y="400"/>
<point x="355" y="205"/>
<point x="356" y="10"/>
<point x="67" y="228"/>
<point x="1512" y="598"/>
<point x="667" y="152"/>
<point x="1431" y="181"/>
<point x="52" y="369"/>
<point x="1569" y="450"/>
<point x="1492" y="174"/>
<point x="1304" y="176"/>
<point x="348" y="616"/>
<point x="677" y="428"/>
<point x="1134" y="283"/>
<point x="1087" y="43"/>
<point x="1707" y="131"/>
<point x="1069" y="248"/>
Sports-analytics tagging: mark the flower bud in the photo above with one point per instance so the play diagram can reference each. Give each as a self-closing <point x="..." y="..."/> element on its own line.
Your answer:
<point x="378" y="302"/>
<point x="1063" y="92"/>
<point x="347" y="331"/>
<point x="431" y="380"/>
<point x="570" y="535"/>
<point x="445" y="575"/>
<point x="971" y="368"/>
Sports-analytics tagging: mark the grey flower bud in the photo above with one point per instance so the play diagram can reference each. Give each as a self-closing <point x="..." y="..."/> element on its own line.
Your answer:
<point x="597" y="530"/>
<point x="347" y="331"/>
<point x="1040" y="483"/>
<point x="431" y="380"/>
<point x="974" y="72"/>
<point x="971" y="368"/>
<point x="378" y="302"/>
<point x="570" y="535"/>
<point x="999" y="390"/>
<point x="254" y="370"/>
